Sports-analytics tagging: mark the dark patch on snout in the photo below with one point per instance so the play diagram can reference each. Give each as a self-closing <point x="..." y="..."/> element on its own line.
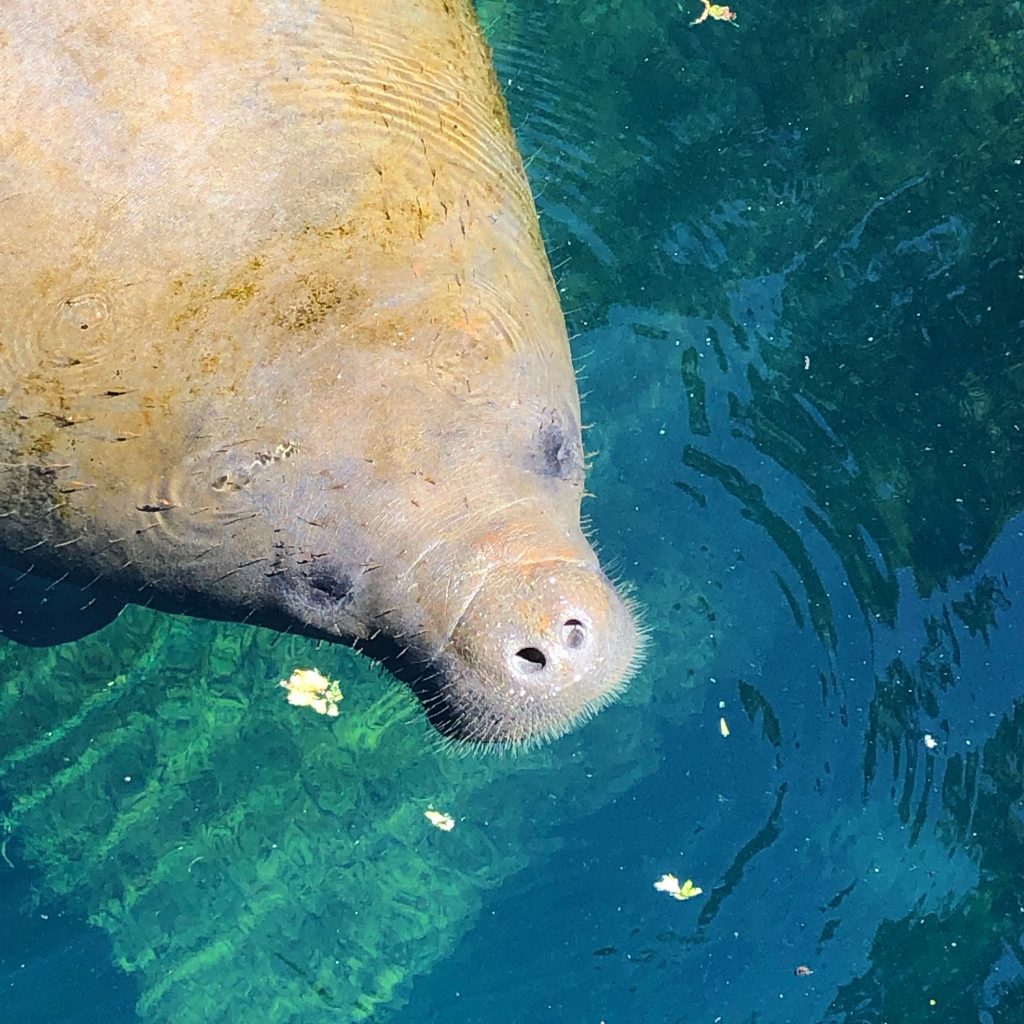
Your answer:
<point x="558" y="449"/>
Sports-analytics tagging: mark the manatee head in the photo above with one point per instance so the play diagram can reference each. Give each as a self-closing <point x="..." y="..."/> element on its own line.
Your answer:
<point x="470" y="580"/>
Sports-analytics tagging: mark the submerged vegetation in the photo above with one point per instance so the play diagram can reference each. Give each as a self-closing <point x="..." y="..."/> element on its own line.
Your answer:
<point x="242" y="852"/>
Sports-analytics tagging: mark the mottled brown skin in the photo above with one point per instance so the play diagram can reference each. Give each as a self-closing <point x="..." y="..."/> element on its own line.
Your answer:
<point x="279" y="342"/>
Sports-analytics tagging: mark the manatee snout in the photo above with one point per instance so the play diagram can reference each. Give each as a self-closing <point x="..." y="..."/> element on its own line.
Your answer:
<point x="540" y="647"/>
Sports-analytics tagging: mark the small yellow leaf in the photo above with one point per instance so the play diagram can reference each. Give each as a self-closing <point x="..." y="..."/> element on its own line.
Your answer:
<point x="670" y="884"/>
<point x="688" y="890"/>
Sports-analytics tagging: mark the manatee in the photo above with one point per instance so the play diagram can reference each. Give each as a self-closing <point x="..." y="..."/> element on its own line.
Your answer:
<point x="280" y="344"/>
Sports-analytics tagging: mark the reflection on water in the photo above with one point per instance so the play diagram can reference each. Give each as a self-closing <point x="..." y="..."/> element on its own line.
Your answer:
<point x="790" y="251"/>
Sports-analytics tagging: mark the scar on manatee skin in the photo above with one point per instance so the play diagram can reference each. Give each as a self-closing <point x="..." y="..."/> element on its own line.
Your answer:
<point x="236" y="481"/>
<point x="227" y="482"/>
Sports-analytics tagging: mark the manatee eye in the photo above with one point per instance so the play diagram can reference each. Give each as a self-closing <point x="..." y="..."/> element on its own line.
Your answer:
<point x="555" y="451"/>
<point x="530" y="659"/>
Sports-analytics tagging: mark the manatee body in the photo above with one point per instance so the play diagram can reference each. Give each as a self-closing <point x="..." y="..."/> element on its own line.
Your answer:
<point x="279" y="343"/>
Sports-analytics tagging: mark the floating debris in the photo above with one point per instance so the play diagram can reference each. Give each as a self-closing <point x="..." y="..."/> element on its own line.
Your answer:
<point x="445" y="822"/>
<point x="670" y="884"/>
<point x="717" y="12"/>
<point x="930" y="741"/>
<point x="307" y="688"/>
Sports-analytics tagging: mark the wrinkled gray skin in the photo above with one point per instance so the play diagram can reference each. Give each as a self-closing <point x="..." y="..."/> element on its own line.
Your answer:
<point x="279" y="343"/>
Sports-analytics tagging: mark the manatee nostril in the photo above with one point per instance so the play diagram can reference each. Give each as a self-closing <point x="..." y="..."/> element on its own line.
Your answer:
<point x="530" y="659"/>
<point x="573" y="633"/>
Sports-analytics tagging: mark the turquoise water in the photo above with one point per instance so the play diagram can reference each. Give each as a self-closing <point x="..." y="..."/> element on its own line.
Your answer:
<point x="791" y="251"/>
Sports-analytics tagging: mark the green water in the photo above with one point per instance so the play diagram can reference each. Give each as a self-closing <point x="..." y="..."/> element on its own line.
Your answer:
<point x="792" y="254"/>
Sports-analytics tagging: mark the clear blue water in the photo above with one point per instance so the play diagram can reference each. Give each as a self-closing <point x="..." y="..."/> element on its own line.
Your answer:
<point x="791" y="252"/>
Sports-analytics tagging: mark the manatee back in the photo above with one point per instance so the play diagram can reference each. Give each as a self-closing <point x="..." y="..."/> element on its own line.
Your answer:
<point x="236" y="231"/>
